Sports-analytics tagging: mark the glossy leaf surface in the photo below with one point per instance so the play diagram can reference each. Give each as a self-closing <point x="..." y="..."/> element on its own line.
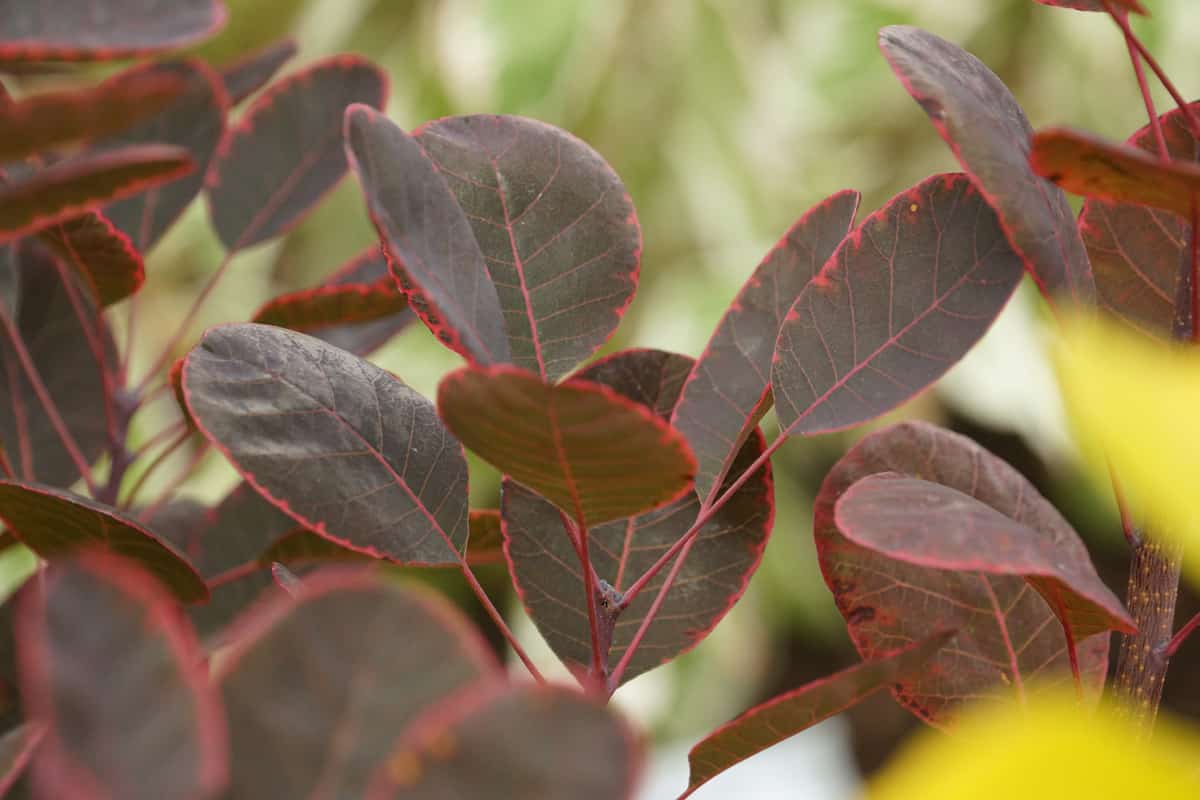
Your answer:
<point x="1009" y="637"/>
<point x="102" y="29"/>
<point x="348" y="654"/>
<point x="598" y="760"/>
<point x="119" y="678"/>
<point x="582" y="446"/>
<point x="247" y="75"/>
<point x="545" y="567"/>
<point x="286" y="151"/>
<point x="903" y="299"/>
<point x="987" y="130"/>
<point x="56" y="193"/>
<point x="555" y="225"/>
<point x="340" y="445"/>
<point x="56" y="524"/>
<point x="431" y="248"/>
<point x="101" y="254"/>
<point x="800" y="709"/>
<point x="932" y="525"/>
<point x="729" y="387"/>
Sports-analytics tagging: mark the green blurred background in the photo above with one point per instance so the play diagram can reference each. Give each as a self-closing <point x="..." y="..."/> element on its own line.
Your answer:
<point x="727" y="119"/>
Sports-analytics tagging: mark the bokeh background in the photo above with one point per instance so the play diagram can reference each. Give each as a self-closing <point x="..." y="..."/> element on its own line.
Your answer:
<point x="727" y="119"/>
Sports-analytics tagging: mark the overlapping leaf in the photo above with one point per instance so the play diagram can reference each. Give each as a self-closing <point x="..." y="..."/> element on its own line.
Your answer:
<point x="340" y="445"/>
<point x="16" y="748"/>
<point x="729" y="387"/>
<point x="555" y="225"/>
<point x="118" y="677"/>
<point x="368" y="269"/>
<point x="102" y="29"/>
<point x="902" y="300"/>
<point x="350" y="663"/>
<point x="545" y="566"/>
<point x="800" y="709"/>
<point x="433" y="252"/>
<point x="56" y="524"/>
<point x="1136" y="251"/>
<point x="60" y="350"/>
<point x="286" y="152"/>
<point x="195" y="121"/>
<point x="249" y="74"/>
<point x="1097" y="5"/>
<point x="987" y="130"/>
<point x="582" y="446"/>
<point x="101" y="254"/>
<point x="466" y="749"/>
<point x="1008" y="635"/>
<point x="56" y="193"/>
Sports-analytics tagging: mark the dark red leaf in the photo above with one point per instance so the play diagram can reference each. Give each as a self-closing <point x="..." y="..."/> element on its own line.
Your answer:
<point x="59" y="347"/>
<point x="54" y="120"/>
<point x="556" y="227"/>
<point x="102" y="29"/>
<point x="312" y="310"/>
<point x="195" y="122"/>
<point x="247" y="75"/>
<point x="1136" y="251"/>
<point x="987" y="130"/>
<point x="349" y="664"/>
<point x="343" y="447"/>
<point x="902" y="300"/>
<point x="56" y="524"/>
<point x="1097" y="5"/>
<point x="800" y="709"/>
<point x="1008" y="635"/>
<point x="545" y="566"/>
<point x="931" y="525"/>
<point x="582" y="446"/>
<point x="498" y="741"/>
<point x="66" y="189"/>
<point x="116" y="674"/>
<point x="101" y="254"/>
<point x="301" y="545"/>
<point x="16" y="748"/>
<point x="286" y="152"/>
<point x="729" y="388"/>
<point x="433" y="253"/>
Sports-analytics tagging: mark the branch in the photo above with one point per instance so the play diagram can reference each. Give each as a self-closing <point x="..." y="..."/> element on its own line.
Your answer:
<point x="1184" y="632"/>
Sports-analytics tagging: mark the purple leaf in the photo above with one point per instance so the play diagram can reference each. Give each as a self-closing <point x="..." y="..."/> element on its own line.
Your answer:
<point x="333" y="304"/>
<point x="466" y="748"/>
<point x="17" y="746"/>
<point x="1097" y="5"/>
<point x="593" y="453"/>
<point x="900" y="302"/>
<point x="556" y="227"/>
<point x="545" y="566"/>
<point x="1136" y="251"/>
<point x="349" y="664"/>
<point x="431" y="248"/>
<point x="729" y="388"/>
<point x="1008" y="636"/>
<point x="118" y="677"/>
<point x="800" y="709"/>
<point x="68" y="188"/>
<point x="102" y="29"/>
<point x="100" y="253"/>
<point x="367" y="269"/>
<point x="56" y="524"/>
<point x="286" y="152"/>
<point x="987" y="130"/>
<point x="343" y="447"/>
<point x="247" y="75"/>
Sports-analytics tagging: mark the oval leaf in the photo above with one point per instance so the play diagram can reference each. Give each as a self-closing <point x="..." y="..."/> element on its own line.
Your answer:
<point x="102" y="29"/>
<point x="545" y="567"/>
<point x="369" y="268"/>
<point x="903" y="299"/>
<point x="728" y="390"/>
<point x="332" y="305"/>
<point x="375" y="656"/>
<point x="56" y="193"/>
<point x="582" y="446"/>
<point x="117" y="675"/>
<point x="987" y="131"/>
<point x="433" y="252"/>
<point x="56" y="524"/>
<point x="1007" y="636"/>
<point x="100" y="253"/>
<point x="466" y="749"/>
<point x="340" y="445"/>
<point x="555" y="225"/>
<point x="800" y="709"/>
<point x="247" y="75"/>
<point x="286" y="152"/>
<point x="931" y="525"/>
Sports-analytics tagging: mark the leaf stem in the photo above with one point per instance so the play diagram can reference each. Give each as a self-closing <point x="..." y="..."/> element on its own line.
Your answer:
<point x="599" y="656"/>
<point x="5" y="466"/>
<point x="176" y="482"/>
<point x="180" y="438"/>
<point x="1155" y="123"/>
<point x="1178" y="639"/>
<point x="1123" y="22"/>
<point x="498" y="619"/>
<point x="1133" y="536"/>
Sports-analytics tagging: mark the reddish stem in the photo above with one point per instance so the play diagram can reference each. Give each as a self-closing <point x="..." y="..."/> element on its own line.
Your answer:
<point x="1132" y="536"/>
<point x="6" y="467"/>
<point x="234" y="573"/>
<point x="1123" y="22"/>
<point x="158" y="461"/>
<point x="1155" y="123"/>
<point x="174" y="485"/>
<point x="498" y="618"/>
<point x="1184" y="632"/>
<point x="599" y="658"/>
